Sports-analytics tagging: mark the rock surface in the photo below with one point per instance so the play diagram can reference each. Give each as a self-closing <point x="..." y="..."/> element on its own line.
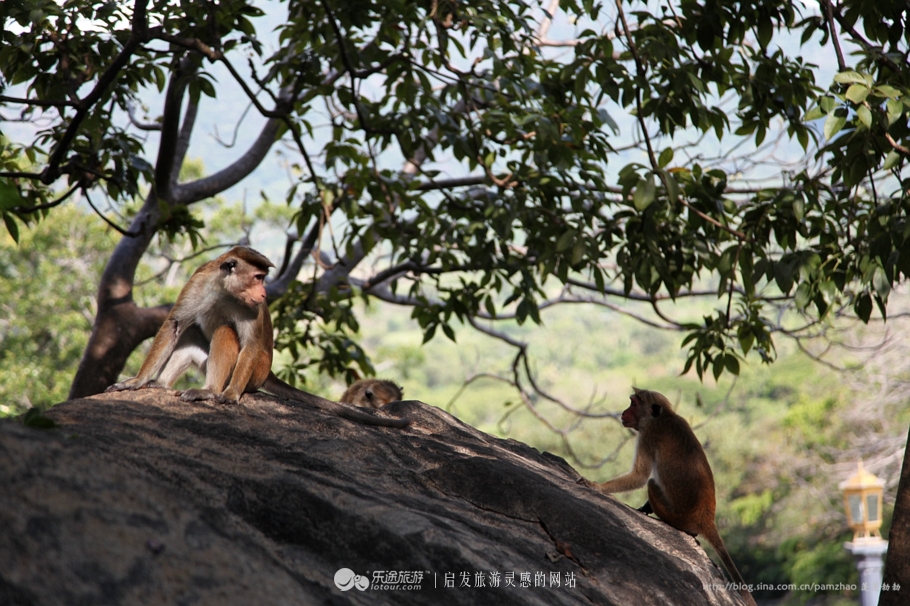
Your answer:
<point x="139" y="499"/>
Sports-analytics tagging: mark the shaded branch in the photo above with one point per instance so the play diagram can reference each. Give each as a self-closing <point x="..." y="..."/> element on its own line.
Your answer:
<point x="114" y="226"/>
<point x="131" y="112"/>
<point x="52" y="204"/>
<point x="38" y="102"/>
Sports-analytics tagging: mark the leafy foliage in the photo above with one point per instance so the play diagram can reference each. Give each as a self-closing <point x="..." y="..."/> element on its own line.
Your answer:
<point x="48" y="306"/>
<point x="517" y="181"/>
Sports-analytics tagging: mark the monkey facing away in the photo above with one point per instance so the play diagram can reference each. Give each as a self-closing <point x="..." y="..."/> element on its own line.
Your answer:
<point x="372" y="393"/>
<point x="671" y="460"/>
<point x="221" y="324"/>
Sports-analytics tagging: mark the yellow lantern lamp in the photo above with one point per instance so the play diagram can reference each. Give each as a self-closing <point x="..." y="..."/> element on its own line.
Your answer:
<point x="863" y="502"/>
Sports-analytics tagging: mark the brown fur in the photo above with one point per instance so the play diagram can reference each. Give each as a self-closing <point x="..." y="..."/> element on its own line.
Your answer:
<point x="221" y="323"/>
<point x="372" y="393"/>
<point x="671" y="461"/>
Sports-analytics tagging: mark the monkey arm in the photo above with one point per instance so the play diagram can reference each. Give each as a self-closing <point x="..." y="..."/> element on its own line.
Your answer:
<point x="638" y="477"/>
<point x="162" y="348"/>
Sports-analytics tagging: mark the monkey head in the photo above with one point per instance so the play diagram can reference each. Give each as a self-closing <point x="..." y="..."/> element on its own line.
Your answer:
<point x="644" y="405"/>
<point x="243" y="272"/>
<point x="372" y="393"/>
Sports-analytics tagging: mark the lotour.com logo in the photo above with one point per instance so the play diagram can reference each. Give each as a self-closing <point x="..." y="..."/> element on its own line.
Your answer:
<point x="347" y="578"/>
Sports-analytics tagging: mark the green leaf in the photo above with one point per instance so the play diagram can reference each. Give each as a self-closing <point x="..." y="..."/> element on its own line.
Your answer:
<point x="858" y="93"/>
<point x="849" y="77"/>
<point x="814" y="114"/>
<point x="887" y="91"/>
<point x="833" y="124"/>
<point x="803" y="295"/>
<point x="863" y="307"/>
<point x="644" y="193"/>
<point x="864" y="115"/>
<point x="783" y="276"/>
<point x="566" y="240"/>
<point x="895" y="110"/>
<point x="799" y="209"/>
<point x="672" y="187"/>
<point x="578" y="252"/>
<point x="718" y="366"/>
<point x="11" y="226"/>
<point x="765" y="31"/>
<point x="891" y="160"/>
<point x="881" y="283"/>
<point x="746" y="338"/>
<point x="731" y="364"/>
<point x="9" y="196"/>
<point x="666" y="157"/>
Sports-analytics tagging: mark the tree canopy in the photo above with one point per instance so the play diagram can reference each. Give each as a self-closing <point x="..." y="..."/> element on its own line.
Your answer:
<point x="482" y="161"/>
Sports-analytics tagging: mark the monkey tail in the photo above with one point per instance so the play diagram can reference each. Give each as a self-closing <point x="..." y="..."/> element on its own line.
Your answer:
<point x="362" y="417"/>
<point x="713" y="537"/>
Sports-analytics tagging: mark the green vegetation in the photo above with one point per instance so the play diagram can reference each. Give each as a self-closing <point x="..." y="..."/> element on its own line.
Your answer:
<point x="47" y="306"/>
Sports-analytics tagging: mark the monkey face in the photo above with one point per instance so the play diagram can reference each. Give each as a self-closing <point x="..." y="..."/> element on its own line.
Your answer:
<point x="243" y="279"/>
<point x="632" y="415"/>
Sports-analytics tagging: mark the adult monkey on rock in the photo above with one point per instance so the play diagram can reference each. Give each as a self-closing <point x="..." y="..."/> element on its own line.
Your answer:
<point x="221" y="324"/>
<point x="671" y="461"/>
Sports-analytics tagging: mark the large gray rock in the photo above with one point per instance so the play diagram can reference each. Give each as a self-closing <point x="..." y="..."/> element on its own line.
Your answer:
<point x="142" y="499"/>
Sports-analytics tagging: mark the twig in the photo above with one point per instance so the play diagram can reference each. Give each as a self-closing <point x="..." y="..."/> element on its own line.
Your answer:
<point x="53" y="203"/>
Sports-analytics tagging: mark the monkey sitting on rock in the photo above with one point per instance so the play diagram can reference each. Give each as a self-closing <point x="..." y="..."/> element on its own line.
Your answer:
<point x="221" y="324"/>
<point x="671" y="461"/>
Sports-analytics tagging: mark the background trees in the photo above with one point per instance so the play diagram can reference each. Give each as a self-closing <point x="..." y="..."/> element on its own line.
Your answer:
<point x="479" y="162"/>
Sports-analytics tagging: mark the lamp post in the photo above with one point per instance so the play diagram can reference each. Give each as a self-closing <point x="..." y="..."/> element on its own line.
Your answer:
<point x="863" y="503"/>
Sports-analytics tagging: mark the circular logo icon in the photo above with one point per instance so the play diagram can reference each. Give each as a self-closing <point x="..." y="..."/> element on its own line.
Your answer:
<point x="345" y="578"/>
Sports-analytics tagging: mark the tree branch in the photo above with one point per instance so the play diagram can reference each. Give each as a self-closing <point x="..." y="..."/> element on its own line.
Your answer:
<point x="188" y="193"/>
<point x="165" y="165"/>
<point x="138" y="35"/>
<point x="829" y="19"/>
<point x="38" y="102"/>
<point x="53" y="203"/>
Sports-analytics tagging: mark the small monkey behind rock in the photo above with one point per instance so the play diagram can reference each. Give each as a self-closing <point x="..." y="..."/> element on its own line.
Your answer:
<point x="221" y="324"/>
<point x="670" y="459"/>
<point x="372" y="393"/>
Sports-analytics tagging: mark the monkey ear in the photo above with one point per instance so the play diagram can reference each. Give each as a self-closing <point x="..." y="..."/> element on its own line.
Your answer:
<point x="655" y="410"/>
<point x="228" y="266"/>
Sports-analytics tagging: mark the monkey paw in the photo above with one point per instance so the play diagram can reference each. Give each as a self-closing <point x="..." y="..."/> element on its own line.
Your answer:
<point x="128" y="385"/>
<point x="133" y="385"/>
<point x="204" y="395"/>
<point x="197" y="395"/>
<point x="586" y="483"/>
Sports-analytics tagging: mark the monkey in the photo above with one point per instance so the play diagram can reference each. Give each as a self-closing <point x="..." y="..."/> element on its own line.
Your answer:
<point x="670" y="459"/>
<point x="221" y="324"/>
<point x="372" y="393"/>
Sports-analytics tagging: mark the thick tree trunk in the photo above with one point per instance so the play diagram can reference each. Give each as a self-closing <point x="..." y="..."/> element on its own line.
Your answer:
<point x="120" y="326"/>
<point x="897" y="561"/>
